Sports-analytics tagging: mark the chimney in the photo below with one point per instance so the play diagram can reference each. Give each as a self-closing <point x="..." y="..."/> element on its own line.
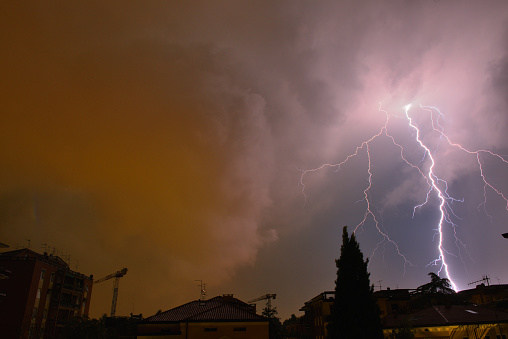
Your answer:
<point x="228" y="298"/>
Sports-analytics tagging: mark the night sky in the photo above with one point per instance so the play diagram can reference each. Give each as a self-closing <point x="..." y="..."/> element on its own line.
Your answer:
<point x="184" y="141"/>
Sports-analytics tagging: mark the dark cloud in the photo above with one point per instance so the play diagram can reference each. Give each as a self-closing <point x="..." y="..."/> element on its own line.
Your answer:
<point x="170" y="138"/>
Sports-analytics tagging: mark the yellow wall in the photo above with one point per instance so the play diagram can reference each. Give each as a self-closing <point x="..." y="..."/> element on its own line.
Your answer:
<point x="253" y="330"/>
<point x="479" y="331"/>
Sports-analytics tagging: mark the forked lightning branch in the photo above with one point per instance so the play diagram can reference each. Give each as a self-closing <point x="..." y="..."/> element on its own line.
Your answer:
<point x="435" y="186"/>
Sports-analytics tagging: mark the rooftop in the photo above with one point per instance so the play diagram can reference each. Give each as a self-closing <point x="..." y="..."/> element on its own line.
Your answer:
<point x="448" y="315"/>
<point x="220" y="308"/>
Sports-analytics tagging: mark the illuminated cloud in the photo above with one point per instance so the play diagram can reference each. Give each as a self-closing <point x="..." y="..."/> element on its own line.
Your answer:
<point x="169" y="138"/>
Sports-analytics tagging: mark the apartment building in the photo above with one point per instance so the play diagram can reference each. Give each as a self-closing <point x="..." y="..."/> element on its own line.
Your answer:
<point x="41" y="294"/>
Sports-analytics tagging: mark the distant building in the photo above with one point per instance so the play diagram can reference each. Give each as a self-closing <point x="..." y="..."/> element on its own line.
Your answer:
<point x="452" y="321"/>
<point x="297" y="327"/>
<point x="317" y="312"/>
<point x="219" y="317"/>
<point x="399" y="309"/>
<point x="486" y="294"/>
<point x="4" y="274"/>
<point x="396" y="301"/>
<point x="41" y="295"/>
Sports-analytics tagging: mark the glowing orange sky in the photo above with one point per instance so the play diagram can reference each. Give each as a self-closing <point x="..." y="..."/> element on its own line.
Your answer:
<point x="168" y="138"/>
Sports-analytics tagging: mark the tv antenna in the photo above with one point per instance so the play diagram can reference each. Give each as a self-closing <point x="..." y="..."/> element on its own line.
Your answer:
<point x="485" y="279"/>
<point x="202" y="287"/>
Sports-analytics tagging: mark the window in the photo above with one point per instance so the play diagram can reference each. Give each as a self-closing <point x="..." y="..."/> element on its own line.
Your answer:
<point x="210" y="329"/>
<point x="43" y="273"/>
<point x="241" y="329"/>
<point x="52" y="276"/>
<point x="34" y="314"/>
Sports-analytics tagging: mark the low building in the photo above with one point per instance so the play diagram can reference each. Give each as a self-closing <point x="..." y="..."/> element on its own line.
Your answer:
<point x="396" y="301"/>
<point x="41" y="294"/>
<point x="455" y="321"/>
<point x="317" y="312"/>
<point x="485" y="294"/>
<point x="219" y="317"/>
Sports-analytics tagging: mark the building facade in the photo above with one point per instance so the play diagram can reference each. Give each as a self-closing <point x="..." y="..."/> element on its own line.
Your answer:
<point x="451" y="321"/>
<point x="398" y="301"/>
<point x="317" y="312"/>
<point x="216" y="318"/>
<point x="41" y="295"/>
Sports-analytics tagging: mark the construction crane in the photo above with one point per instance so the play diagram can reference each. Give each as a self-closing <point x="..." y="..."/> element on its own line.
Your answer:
<point x="117" y="277"/>
<point x="268" y="298"/>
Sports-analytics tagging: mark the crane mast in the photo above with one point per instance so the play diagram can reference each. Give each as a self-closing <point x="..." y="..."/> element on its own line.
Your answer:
<point x="117" y="277"/>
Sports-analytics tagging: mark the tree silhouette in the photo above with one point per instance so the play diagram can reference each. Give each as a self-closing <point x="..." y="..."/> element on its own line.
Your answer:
<point x="276" y="330"/>
<point x="436" y="285"/>
<point x="354" y="313"/>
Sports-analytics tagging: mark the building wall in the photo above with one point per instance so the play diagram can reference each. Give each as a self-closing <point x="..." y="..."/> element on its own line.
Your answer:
<point x="17" y="306"/>
<point x="70" y="297"/>
<point x="205" y="330"/>
<point x="483" y="331"/>
<point x="317" y="312"/>
<point x="388" y="306"/>
<point x="32" y="297"/>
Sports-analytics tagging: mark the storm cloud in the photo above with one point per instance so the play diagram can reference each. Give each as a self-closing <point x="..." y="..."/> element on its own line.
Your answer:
<point x="170" y="138"/>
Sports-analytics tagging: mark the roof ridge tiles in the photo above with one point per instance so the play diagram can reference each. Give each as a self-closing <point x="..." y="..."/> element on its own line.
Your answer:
<point x="215" y="309"/>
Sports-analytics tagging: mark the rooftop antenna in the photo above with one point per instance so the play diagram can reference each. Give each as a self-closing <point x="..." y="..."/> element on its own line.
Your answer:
<point x="484" y="278"/>
<point x="28" y="240"/>
<point x="379" y="282"/>
<point x="202" y="290"/>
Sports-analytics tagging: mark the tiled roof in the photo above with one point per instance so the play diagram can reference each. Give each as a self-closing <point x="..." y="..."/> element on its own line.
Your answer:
<point x="448" y="315"/>
<point x="215" y="309"/>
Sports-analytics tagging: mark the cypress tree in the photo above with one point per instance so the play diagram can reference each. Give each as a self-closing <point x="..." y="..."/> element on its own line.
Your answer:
<point x="354" y="313"/>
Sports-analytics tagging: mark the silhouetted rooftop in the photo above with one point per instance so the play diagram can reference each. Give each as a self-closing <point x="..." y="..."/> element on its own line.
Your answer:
<point x="220" y="308"/>
<point x="448" y="315"/>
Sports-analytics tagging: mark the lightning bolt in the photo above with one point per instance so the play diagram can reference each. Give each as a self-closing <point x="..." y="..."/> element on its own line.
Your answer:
<point x="435" y="185"/>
